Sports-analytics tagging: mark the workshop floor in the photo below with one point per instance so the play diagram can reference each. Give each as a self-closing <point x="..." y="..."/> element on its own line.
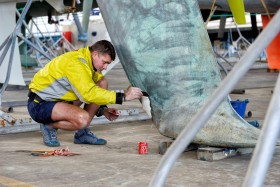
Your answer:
<point x="118" y="163"/>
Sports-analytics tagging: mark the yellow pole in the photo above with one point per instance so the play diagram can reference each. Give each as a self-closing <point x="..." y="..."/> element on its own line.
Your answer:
<point x="238" y="11"/>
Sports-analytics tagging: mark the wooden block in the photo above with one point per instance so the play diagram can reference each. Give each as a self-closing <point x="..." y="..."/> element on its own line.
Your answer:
<point x="164" y="145"/>
<point x="273" y="70"/>
<point x="213" y="153"/>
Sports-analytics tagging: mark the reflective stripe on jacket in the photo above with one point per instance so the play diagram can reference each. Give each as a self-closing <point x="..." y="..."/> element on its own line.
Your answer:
<point x="71" y="77"/>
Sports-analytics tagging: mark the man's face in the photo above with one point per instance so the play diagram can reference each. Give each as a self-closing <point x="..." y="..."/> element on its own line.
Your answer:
<point x="100" y="61"/>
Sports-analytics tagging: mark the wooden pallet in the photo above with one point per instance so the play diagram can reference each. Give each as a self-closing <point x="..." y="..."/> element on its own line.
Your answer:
<point x="273" y="70"/>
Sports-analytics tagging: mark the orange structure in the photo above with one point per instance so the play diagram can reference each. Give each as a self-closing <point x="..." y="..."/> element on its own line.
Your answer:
<point x="273" y="49"/>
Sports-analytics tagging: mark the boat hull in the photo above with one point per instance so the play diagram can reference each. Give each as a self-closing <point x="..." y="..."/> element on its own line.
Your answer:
<point x="165" y="50"/>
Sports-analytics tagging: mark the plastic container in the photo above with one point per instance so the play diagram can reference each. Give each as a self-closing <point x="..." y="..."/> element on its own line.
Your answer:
<point x="240" y="106"/>
<point x="68" y="35"/>
<point x="142" y="148"/>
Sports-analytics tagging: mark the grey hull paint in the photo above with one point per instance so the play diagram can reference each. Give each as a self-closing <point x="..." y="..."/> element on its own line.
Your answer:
<point x="165" y="50"/>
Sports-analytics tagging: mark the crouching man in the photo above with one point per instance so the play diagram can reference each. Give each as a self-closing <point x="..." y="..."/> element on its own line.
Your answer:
<point x="58" y="90"/>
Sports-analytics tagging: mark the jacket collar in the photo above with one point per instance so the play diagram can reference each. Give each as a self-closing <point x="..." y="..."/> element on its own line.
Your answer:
<point x="86" y="53"/>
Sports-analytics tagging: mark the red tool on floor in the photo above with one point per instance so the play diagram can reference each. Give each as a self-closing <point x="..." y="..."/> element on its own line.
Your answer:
<point x="56" y="152"/>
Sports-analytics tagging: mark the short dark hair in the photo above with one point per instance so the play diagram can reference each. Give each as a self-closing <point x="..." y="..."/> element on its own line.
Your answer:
<point x="104" y="47"/>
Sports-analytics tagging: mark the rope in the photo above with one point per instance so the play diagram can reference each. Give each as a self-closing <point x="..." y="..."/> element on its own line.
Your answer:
<point x="211" y="10"/>
<point x="266" y="9"/>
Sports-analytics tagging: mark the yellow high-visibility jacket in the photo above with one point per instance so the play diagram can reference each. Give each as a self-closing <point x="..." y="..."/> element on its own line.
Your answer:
<point x="71" y="77"/>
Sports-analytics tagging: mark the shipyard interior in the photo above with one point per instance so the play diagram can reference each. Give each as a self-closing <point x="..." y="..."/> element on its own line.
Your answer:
<point x="193" y="100"/>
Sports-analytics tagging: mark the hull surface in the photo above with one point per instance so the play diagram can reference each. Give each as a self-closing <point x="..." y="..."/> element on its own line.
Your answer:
<point x="165" y="50"/>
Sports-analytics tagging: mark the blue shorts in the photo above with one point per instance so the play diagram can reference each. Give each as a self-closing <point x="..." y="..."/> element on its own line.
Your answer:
<point x="41" y="112"/>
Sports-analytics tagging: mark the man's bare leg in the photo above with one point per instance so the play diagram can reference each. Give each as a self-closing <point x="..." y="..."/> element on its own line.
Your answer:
<point x="69" y="117"/>
<point x="72" y="117"/>
<point x="85" y="136"/>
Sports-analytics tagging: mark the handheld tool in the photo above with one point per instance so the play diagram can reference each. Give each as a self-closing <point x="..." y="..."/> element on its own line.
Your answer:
<point x="145" y="94"/>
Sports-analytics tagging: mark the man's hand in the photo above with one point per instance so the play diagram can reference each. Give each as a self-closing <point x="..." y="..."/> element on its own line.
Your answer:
<point x="133" y="93"/>
<point x="111" y="114"/>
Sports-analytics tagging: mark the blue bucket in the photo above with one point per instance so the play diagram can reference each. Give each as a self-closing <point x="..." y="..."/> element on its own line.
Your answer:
<point x="240" y="106"/>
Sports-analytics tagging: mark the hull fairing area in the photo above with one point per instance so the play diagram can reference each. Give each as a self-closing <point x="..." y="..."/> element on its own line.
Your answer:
<point x="165" y="50"/>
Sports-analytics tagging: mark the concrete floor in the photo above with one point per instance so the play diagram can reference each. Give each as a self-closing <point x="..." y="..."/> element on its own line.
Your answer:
<point x="118" y="163"/>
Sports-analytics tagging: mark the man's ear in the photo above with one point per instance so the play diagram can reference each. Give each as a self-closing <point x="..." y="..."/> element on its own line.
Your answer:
<point x="94" y="53"/>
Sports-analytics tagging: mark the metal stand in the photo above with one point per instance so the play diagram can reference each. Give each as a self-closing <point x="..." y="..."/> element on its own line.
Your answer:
<point x="39" y="46"/>
<point x="9" y="124"/>
<point x="10" y="42"/>
<point x="66" y="44"/>
<point x="82" y="36"/>
<point x="6" y="45"/>
<point x="241" y="38"/>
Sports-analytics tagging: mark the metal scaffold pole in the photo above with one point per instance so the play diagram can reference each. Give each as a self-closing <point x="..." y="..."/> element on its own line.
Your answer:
<point x="265" y="147"/>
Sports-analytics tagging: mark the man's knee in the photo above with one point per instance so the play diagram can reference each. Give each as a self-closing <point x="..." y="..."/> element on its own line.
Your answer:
<point x="83" y="120"/>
